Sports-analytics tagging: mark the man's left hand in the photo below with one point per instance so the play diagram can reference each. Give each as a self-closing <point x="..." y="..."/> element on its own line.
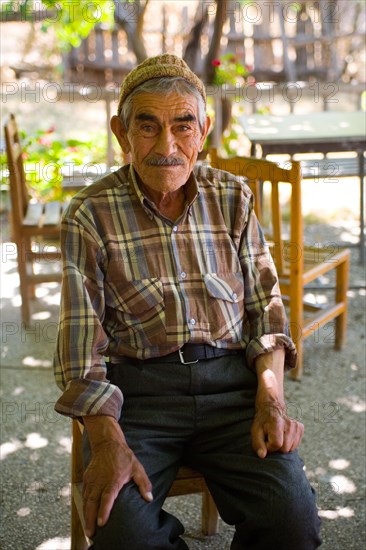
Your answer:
<point x="273" y="430"/>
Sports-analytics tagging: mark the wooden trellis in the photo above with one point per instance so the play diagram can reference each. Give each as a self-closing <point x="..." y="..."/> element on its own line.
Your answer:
<point x="280" y="44"/>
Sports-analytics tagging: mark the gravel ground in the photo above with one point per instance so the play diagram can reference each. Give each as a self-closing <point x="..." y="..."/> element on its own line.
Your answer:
<point x="35" y="442"/>
<point x="35" y="450"/>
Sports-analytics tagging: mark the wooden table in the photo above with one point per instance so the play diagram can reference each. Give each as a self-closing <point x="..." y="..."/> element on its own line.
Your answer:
<point x="323" y="132"/>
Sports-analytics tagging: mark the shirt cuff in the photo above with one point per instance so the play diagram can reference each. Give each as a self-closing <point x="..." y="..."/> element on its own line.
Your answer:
<point x="268" y="343"/>
<point x="84" y="397"/>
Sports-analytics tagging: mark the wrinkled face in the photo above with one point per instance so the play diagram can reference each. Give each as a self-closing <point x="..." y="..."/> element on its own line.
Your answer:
<point x="164" y="139"/>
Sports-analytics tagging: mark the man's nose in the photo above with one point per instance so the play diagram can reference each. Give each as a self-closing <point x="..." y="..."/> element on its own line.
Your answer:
<point x="166" y="143"/>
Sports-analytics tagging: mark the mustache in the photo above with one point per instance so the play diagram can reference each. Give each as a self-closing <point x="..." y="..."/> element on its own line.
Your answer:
<point x="164" y="161"/>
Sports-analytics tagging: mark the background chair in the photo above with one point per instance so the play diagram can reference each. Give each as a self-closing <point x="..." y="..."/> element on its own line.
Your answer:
<point x="32" y="222"/>
<point x="187" y="481"/>
<point x="296" y="264"/>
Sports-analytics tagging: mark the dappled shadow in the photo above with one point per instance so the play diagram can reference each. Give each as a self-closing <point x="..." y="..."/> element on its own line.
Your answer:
<point x="36" y="443"/>
<point x="23" y="346"/>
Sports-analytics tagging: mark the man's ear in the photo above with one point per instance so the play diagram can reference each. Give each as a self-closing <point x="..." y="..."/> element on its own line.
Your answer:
<point x="121" y="134"/>
<point x="205" y="132"/>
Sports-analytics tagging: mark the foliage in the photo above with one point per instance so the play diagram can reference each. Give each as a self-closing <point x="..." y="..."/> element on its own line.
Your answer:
<point x="72" y="20"/>
<point x="44" y="157"/>
<point x="229" y="70"/>
<point x="75" y="20"/>
<point x="48" y="157"/>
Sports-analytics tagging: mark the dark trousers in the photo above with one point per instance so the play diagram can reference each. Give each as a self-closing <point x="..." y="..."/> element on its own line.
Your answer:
<point x="200" y="415"/>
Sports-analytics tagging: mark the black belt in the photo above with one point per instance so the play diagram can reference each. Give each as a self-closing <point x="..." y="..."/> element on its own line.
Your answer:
<point x="189" y="353"/>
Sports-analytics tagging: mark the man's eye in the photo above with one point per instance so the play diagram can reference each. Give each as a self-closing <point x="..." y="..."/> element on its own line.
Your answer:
<point x="148" y="129"/>
<point x="184" y="129"/>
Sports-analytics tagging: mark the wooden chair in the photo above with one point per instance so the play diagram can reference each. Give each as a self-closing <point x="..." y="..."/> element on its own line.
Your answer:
<point x="187" y="481"/>
<point x="32" y="222"/>
<point x="296" y="264"/>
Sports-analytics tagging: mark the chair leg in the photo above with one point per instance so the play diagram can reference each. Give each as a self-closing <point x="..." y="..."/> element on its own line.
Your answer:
<point x="297" y="326"/>
<point x="210" y="515"/>
<point x="23" y="283"/>
<point x="78" y="540"/>
<point x="296" y="373"/>
<point x="342" y="274"/>
<point x="30" y="265"/>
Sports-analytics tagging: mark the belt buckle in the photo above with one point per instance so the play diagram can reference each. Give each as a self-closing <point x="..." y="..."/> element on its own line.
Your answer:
<point x="181" y="357"/>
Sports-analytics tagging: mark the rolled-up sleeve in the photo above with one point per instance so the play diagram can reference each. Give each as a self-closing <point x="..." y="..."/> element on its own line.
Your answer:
<point x="79" y="362"/>
<point x="266" y="316"/>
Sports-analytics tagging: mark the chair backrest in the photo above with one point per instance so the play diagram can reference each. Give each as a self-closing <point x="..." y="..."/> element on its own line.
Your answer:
<point x="258" y="171"/>
<point x="18" y="188"/>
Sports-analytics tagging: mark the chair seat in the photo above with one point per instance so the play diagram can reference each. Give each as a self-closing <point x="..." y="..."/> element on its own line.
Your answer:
<point x="187" y="481"/>
<point x="41" y="215"/>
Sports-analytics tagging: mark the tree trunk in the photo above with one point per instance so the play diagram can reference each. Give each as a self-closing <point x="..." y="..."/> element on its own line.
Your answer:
<point x="132" y="23"/>
<point x="214" y="50"/>
<point x="192" y="52"/>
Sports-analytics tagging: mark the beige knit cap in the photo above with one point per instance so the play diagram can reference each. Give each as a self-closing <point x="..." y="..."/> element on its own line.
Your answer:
<point x="158" y="67"/>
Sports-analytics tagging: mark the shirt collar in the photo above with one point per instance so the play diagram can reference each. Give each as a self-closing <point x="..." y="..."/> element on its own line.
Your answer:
<point x="191" y="189"/>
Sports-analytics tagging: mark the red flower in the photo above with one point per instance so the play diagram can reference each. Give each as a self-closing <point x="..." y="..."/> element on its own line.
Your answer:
<point x="216" y="62"/>
<point x="43" y="140"/>
<point x="51" y="129"/>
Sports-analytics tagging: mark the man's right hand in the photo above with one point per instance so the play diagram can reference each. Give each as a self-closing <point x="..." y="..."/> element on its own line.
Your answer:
<point x="112" y="465"/>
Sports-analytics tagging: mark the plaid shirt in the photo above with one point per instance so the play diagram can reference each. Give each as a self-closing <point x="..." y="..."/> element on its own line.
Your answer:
<point x="138" y="285"/>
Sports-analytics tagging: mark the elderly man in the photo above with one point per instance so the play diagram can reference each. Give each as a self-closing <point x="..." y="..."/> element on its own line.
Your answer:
<point x="173" y="339"/>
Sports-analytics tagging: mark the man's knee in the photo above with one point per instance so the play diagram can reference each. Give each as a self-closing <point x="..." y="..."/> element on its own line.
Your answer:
<point x="300" y="523"/>
<point x="295" y="521"/>
<point x="292" y="522"/>
<point x="294" y="509"/>
<point x="285" y="514"/>
<point x="136" y="524"/>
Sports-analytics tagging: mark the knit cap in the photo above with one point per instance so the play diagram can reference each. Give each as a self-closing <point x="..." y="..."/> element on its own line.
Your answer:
<point x="166" y="65"/>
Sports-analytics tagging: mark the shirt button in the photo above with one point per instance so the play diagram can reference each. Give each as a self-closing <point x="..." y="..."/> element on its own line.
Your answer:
<point x="235" y="296"/>
<point x="175" y="229"/>
<point x="183" y="274"/>
<point x="192" y="321"/>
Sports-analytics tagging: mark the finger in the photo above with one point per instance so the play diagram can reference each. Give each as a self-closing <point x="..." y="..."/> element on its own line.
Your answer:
<point x="292" y="436"/>
<point x="259" y="440"/>
<point x="90" y="506"/>
<point x="288" y="445"/>
<point x="143" y="483"/>
<point x="108" y="497"/>
<point x="275" y="440"/>
<point x="299" y="432"/>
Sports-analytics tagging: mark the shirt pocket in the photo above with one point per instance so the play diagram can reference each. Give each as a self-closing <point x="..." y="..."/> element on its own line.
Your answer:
<point x="140" y="309"/>
<point x="136" y="297"/>
<point x="225" y="305"/>
<point x="227" y="286"/>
